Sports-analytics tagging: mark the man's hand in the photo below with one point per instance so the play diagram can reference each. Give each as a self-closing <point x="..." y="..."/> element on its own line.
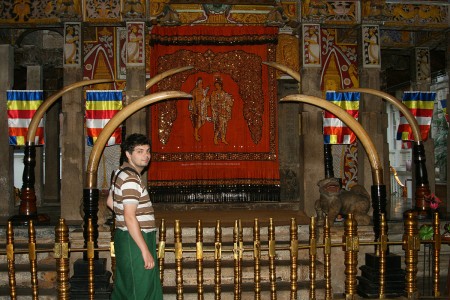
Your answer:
<point x="149" y="262"/>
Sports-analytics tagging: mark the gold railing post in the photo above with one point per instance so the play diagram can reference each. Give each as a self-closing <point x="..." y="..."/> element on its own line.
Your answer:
<point x="61" y="254"/>
<point x="294" y="257"/>
<point x="178" y="259"/>
<point x="351" y="247"/>
<point x="411" y="245"/>
<point x="383" y="251"/>
<point x="11" y="261"/>
<point x="199" y="258"/>
<point x="162" y="250"/>
<point x="257" y="259"/>
<point x="312" y="258"/>
<point x="33" y="257"/>
<point x="327" y="258"/>
<point x="436" y="254"/>
<point x="217" y="260"/>
<point x="237" y="243"/>
<point x="90" y="258"/>
<point x="241" y="254"/>
<point x="272" y="256"/>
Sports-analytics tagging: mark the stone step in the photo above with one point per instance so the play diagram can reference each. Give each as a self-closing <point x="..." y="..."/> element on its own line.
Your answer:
<point x="227" y="272"/>
<point x="46" y="275"/>
<point x="25" y="293"/>
<point x="247" y="291"/>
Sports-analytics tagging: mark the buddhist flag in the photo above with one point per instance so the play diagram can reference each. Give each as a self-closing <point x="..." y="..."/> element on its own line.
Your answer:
<point x="421" y="105"/>
<point x="22" y="106"/>
<point x="101" y="106"/>
<point x="334" y="130"/>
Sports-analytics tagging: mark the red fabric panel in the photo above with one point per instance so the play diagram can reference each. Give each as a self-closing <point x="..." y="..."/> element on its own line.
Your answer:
<point x="251" y="155"/>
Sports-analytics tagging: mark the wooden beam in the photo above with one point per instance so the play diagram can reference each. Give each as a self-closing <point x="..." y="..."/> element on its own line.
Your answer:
<point x="227" y="2"/>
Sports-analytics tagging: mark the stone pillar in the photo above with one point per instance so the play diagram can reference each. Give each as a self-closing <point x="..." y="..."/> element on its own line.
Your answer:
<point x="288" y="137"/>
<point x="72" y="146"/>
<point x="422" y="82"/>
<point x="373" y="118"/>
<point x="6" y="157"/>
<point x="72" y="131"/>
<point x="52" y="155"/>
<point x="135" y="65"/>
<point x="35" y="82"/>
<point x="137" y="123"/>
<point x="311" y="140"/>
<point x="372" y="115"/>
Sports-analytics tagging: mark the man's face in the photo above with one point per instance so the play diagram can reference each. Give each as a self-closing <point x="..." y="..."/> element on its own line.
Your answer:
<point x="140" y="157"/>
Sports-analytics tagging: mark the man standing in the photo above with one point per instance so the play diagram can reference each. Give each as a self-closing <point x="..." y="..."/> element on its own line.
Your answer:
<point x="137" y="273"/>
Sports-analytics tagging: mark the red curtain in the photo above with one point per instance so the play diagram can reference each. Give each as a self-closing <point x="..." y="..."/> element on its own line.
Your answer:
<point x="233" y="154"/>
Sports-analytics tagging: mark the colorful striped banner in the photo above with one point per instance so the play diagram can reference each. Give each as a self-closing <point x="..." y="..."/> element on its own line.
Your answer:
<point x="421" y="105"/>
<point x="334" y="130"/>
<point x="101" y="106"/>
<point x="22" y="105"/>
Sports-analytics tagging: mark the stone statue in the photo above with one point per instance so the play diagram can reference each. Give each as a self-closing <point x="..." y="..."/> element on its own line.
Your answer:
<point x="334" y="201"/>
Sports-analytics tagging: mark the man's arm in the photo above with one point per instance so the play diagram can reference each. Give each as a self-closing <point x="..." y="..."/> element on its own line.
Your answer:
<point x="129" y="211"/>
<point x="109" y="201"/>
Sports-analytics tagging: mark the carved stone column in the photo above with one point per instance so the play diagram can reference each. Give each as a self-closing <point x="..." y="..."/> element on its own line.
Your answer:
<point x="72" y="131"/>
<point x="288" y="129"/>
<point x="6" y="159"/>
<point x="52" y="166"/>
<point x="372" y="112"/>
<point x="311" y="140"/>
<point x="422" y="70"/>
<point x="135" y="70"/>
<point x="135" y="64"/>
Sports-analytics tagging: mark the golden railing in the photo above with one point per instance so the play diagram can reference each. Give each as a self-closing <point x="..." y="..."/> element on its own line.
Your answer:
<point x="350" y="246"/>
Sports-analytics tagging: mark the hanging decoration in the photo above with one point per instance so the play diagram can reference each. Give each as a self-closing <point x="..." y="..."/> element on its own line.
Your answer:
<point x="421" y="105"/>
<point x="222" y="145"/>
<point x="101" y="106"/>
<point x="22" y="106"/>
<point x="334" y="130"/>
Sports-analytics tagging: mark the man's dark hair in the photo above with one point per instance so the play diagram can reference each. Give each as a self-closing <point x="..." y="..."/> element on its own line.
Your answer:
<point x="133" y="140"/>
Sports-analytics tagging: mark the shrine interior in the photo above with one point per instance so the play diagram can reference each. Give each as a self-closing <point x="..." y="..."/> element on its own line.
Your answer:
<point x="280" y="114"/>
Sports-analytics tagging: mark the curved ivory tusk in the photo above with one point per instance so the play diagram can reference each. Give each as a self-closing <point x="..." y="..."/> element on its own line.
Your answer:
<point x="165" y="74"/>
<point x="397" y="103"/>
<point x="52" y="99"/>
<point x="287" y="70"/>
<point x="377" y="170"/>
<point x="122" y="115"/>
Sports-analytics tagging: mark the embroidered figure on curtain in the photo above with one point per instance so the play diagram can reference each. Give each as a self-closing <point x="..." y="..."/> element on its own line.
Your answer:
<point x="198" y="107"/>
<point x="221" y="107"/>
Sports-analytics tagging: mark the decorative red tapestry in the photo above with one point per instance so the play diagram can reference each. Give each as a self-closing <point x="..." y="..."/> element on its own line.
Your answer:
<point x="222" y="145"/>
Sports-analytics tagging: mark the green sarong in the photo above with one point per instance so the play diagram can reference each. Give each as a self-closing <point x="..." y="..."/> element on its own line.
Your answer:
<point x="132" y="280"/>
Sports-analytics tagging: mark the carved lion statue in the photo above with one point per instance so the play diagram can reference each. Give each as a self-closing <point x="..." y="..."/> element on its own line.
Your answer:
<point x="334" y="201"/>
